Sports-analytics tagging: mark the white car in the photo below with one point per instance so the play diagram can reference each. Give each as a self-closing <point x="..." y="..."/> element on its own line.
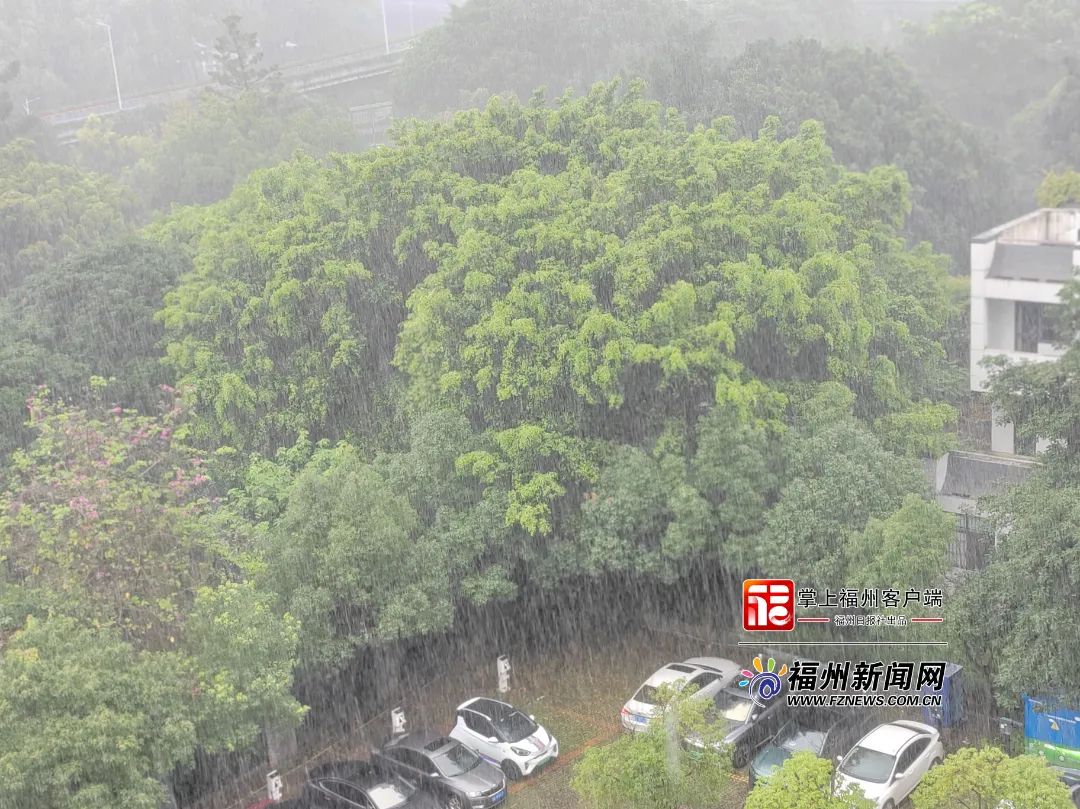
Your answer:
<point x="504" y="736"/>
<point x="889" y="761"/>
<point x="709" y="674"/>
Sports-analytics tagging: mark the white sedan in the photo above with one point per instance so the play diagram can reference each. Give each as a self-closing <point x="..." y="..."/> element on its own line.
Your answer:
<point x="889" y="761"/>
<point x="708" y="674"/>
<point x="504" y="736"/>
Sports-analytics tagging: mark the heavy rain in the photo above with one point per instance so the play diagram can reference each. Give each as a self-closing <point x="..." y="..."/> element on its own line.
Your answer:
<point x="540" y="404"/>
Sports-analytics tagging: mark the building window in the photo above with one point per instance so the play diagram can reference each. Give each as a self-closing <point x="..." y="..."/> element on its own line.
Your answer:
<point x="970" y="548"/>
<point x="1036" y="323"/>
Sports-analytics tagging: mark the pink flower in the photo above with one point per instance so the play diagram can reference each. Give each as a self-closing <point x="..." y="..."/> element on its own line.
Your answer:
<point x="84" y="507"/>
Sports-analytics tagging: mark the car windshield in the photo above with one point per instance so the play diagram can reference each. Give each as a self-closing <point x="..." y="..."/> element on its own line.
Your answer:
<point x="391" y="794"/>
<point x="799" y="734"/>
<point x="868" y="765"/>
<point x="456" y="760"/>
<point x="513" y="726"/>
<point x="730" y="706"/>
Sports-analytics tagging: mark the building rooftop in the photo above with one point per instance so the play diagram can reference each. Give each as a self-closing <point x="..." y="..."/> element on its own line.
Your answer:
<point x="1033" y="262"/>
<point x="1045" y="226"/>
<point x="974" y="475"/>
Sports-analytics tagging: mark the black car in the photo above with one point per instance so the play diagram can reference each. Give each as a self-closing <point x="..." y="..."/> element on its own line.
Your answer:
<point x="446" y="768"/>
<point x="361" y="785"/>
<point x="825" y="732"/>
<point x="745" y="723"/>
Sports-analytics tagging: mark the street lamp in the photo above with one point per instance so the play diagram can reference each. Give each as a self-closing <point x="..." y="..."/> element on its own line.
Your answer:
<point x="112" y="55"/>
<point x="385" y="30"/>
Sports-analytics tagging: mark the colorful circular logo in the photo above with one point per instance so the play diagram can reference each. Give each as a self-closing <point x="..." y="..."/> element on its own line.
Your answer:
<point x="764" y="683"/>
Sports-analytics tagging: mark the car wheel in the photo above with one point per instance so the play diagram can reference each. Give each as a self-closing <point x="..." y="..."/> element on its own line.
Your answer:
<point x="935" y="762"/>
<point x="889" y="805"/>
<point x="511" y="770"/>
<point x="740" y="757"/>
<point x="454" y="802"/>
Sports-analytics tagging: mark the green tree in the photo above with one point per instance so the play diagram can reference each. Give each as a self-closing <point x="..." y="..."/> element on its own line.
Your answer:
<point x="988" y="60"/>
<point x="838" y="476"/>
<point x="238" y="59"/>
<point x="286" y="323"/>
<point x="49" y="211"/>
<point x="349" y="560"/>
<point x="91" y="315"/>
<point x="906" y="549"/>
<point x="104" y="518"/>
<point x="1059" y="189"/>
<point x="875" y="112"/>
<point x="87" y="720"/>
<point x="660" y="514"/>
<point x="987" y="778"/>
<point x="578" y="279"/>
<point x="243" y="654"/>
<point x="653" y="769"/>
<point x="804" y="781"/>
<point x="206" y="146"/>
<point x="1018" y="609"/>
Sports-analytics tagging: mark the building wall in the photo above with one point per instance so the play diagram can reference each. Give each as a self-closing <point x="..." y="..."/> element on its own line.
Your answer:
<point x="1002" y="436"/>
<point x="993" y="303"/>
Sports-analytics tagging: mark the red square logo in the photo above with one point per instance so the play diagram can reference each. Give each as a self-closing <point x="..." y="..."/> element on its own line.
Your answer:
<point x="768" y="605"/>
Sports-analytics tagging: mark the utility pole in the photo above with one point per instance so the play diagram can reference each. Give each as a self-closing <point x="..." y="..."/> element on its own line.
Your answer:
<point x="385" y="30"/>
<point x="112" y="55"/>
<point x="412" y="25"/>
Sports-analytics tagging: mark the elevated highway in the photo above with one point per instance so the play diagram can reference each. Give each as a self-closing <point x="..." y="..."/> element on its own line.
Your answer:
<point x="337" y="73"/>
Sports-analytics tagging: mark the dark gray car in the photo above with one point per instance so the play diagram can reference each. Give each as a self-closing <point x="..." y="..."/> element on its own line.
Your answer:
<point x="445" y="768"/>
<point x="825" y="732"/>
<point x="745" y="724"/>
<point x="361" y="785"/>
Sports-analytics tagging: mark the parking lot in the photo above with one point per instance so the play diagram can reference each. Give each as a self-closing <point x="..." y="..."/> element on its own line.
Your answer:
<point x="576" y="694"/>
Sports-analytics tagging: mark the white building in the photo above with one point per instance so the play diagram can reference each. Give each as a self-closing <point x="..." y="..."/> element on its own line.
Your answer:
<point x="1017" y="272"/>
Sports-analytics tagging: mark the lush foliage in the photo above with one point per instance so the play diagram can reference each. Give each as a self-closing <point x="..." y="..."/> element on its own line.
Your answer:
<point x="838" y="476"/>
<point x="986" y="778"/>
<point x="804" y="781"/>
<point x="874" y="112"/>
<point x="989" y="60"/>
<point x="87" y="720"/>
<point x="1059" y="189"/>
<point x="104" y="518"/>
<point x="106" y="527"/>
<point x="906" y="549"/>
<point x="1002" y="620"/>
<point x="90" y="315"/>
<point x="586" y="282"/>
<point x="652" y="769"/>
<point x="49" y="210"/>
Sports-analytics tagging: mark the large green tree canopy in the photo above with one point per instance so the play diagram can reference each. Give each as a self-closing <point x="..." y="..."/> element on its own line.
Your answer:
<point x="577" y="278"/>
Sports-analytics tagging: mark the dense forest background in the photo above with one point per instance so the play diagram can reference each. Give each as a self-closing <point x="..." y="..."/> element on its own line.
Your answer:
<point x="639" y="288"/>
